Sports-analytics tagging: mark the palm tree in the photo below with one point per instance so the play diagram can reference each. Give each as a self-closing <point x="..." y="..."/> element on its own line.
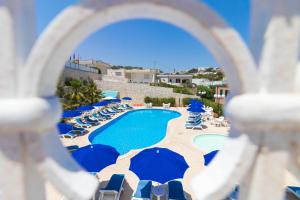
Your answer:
<point x="92" y="93"/>
<point x="75" y="93"/>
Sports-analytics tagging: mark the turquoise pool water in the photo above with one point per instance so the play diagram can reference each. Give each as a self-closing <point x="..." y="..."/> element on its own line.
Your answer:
<point x="134" y="130"/>
<point x="110" y="93"/>
<point x="210" y="142"/>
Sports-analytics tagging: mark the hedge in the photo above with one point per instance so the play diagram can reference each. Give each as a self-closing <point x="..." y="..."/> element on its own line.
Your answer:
<point x="160" y="101"/>
<point x="176" y="89"/>
<point x="218" y="108"/>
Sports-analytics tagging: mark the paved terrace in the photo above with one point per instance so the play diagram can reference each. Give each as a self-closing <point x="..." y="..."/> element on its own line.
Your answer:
<point x="178" y="139"/>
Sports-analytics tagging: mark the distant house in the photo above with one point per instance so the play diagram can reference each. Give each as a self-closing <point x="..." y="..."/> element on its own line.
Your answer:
<point x="78" y="71"/>
<point x="102" y="66"/>
<point x="175" y="79"/>
<point x="221" y="94"/>
<point x="206" y="82"/>
<point x="131" y="75"/>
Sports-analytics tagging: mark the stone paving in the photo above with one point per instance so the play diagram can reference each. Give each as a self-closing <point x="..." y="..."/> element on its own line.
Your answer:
<point x="178" y="139"/>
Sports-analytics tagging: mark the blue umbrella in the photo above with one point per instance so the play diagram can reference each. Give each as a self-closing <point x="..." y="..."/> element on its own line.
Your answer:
<point x="85" y="108"/>
<point x="158" y="164"/>
<point x="209" y="157"/>
<point x="127" y="98"/>
<point x="115" y="100"/>
<point x="196" y="109"/>
<point x="193" y="101"/>
<point x="102" y="103"/>
<point x="64" y="128"/>
<point x="94" y="158"/>
<point x="197" y="103"/>
<point x="70" y="114"/>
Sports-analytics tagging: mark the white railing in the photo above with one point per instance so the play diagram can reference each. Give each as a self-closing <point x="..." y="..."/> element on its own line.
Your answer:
<point x="264" y="107"/>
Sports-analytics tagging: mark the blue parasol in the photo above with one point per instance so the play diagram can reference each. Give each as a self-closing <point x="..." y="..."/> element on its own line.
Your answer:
<point x="127" y="98"/>
<point x="194" y="101"/>
<point x="100" y="104"/>
<point x="96" y="157"/>
<point x="85" y="108"/>
<point x="209" y="157"/>
<point x="70" y="114"/>
<point x="115" y="100"/>
<point x="158" y="164"/>
<point x="64" y="128"/>
<point x="196" y="109"/>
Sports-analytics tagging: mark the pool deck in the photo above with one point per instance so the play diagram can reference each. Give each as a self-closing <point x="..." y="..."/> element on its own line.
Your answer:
<point x="178" y="139"/>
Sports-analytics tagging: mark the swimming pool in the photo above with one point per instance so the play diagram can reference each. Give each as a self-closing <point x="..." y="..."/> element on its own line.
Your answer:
<point x="210" y="142"/>
<point x="134" y="130"/>
<point x="110" y="93"/>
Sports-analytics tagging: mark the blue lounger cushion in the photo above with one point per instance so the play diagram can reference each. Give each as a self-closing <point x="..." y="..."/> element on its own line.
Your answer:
<point x="143" y="190"/>
<point x="115" y="183"/>
<point x="176" y="190"/>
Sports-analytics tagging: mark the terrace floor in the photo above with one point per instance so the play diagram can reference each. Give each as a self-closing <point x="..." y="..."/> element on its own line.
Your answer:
<point x="178" y="139"/>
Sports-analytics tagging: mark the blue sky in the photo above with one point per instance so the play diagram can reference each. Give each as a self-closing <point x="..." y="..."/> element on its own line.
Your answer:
<point x="149" y="43"/>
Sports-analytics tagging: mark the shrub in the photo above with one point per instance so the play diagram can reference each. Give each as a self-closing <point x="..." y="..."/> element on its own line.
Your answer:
<point x="159" y="101"/>
<point x="218" y="108"/>
<point x="176" y="89"/>
<point x="209" y="91"/>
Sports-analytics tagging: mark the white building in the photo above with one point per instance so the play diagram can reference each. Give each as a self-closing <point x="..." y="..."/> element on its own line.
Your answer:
<point x="206" y="82"/>
<point x="175" y="79"/>
<point x="131" y="75"/>
<point x="102" y="66"/>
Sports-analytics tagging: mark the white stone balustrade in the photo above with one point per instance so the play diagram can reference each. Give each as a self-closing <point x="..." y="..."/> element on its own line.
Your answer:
<point x="264" y="107"/>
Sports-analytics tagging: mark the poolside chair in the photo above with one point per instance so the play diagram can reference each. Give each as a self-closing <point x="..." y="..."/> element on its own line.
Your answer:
<point x="81" y="130"/>
<point x="106" y="116"/>
<point x="105" y="111"/>
<point x="192" y="125"/>
<point x="114" y="187"/>
<point x="82" y="124"/>
<point x="69" y="135"/>
<point x="112" y="111"/>
<point x="90" y="121"/>
<point x="234" y="194"/>
<point x="293" y="192"/>
<point x="166" y="105"/>
<point x="143" y="190"/>
<point x="99" y="117"/>
<point x="117" y="109"/>
<point x="72" y="148"/>
<point x="127" y="106"/>
<point x="175" y="191"/>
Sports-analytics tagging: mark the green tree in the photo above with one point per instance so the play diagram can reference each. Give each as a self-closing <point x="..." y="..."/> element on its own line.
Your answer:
<point x="192" y="71"/>
<point x="92" y="93"/>
<point x="75" y="94"/>
<point x="208" y="92"/>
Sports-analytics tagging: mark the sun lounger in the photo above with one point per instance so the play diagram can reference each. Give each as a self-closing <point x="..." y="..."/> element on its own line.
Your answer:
<point x="112" y="111"/>
<point x="117" y="109"/>
<point x="198" y="126"/>
<point x="90" y="121"/>
<point x="82" y="124"/>
<point x="293" y="192"/>
<point x="105" y="115"/>
<point x="192" y="125"/>
<point x="114" y="187"/>
<point x="108" y="112"/>
<point x="127" y="106"/>
<point x="69" y="135"/>
<point x="92" y="118"/>
<point x="143" y="190"/>
<point x="98" y="117"/>
<point x="175" y="191"/>
<point x="72" y="148"/>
